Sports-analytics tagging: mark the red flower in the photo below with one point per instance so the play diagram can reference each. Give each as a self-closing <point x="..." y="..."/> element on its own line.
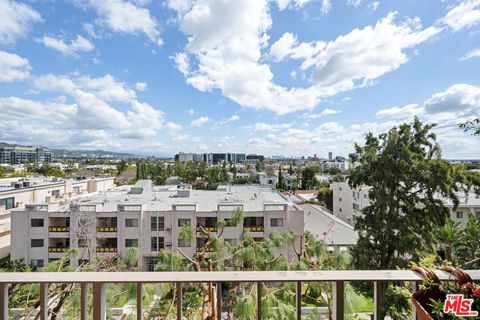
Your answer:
<point x="476" y="293"/>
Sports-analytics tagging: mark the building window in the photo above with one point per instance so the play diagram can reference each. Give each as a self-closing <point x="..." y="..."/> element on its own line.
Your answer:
<point x="82" y="262"/>
<point x="477" y="214"/>
<point x="365" y="196"/>
<point x="36" y="223"/>
<point x="356" y="207"/>
<point x="131" y="223"/>
<point x="36" y="263"/>
<point x="36" y="243"/>
<point x="157" y="243"/>
<point x="82" y="243"/>
<point x="9" y="203"/>
<point x="131" y="243"/>
<point x="182" y="243"/>
<point x="157" y="223"/>
<point x="56" y="193"/>
<point x="340" y="199"/>
<point x="184" y="222"/>
<point x="459" y="215"/>
<point x="276" y="222"/>
<point x="77" y="191"/>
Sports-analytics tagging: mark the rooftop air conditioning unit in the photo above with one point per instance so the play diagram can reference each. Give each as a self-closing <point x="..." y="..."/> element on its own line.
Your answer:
<point x="168" y="228"/>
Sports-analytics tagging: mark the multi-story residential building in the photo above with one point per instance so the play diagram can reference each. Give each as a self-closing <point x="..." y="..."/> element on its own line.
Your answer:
<point x="348" y="202"/>
<point x="16" y="193"/>
<point x="12" y="154"/>
<point x="254" y="158"/>
<point x="149" y="218"/>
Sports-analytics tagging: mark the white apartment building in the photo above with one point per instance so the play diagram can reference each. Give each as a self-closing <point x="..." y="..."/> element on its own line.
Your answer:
<point x="16" y="192"/>
<point x="348" y="202"/>
<point x="147" y="217"/>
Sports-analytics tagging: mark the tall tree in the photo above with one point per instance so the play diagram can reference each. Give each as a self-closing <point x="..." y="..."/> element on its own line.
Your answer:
<point x="408" y="185"/>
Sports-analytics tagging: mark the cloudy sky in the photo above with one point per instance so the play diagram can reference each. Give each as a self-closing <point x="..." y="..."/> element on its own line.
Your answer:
<point x="278" y="77"/>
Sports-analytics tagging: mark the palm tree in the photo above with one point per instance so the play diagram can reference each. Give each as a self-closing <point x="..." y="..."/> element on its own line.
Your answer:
<point x="449" y="237"/>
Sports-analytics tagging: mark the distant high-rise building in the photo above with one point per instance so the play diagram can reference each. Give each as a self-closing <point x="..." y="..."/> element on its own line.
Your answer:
<point x="330" y="156"/>
<point x="12" y="154"/>
<point x="211" y="158"/>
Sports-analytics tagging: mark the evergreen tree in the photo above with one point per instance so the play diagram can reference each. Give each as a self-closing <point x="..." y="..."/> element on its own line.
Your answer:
<point x="409" y="184"/>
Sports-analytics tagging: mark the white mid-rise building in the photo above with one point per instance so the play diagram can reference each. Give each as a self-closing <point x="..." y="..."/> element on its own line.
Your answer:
<point x="149" y="218"/>
<point x="17" y="192"/>
<point x="348" y="202"/>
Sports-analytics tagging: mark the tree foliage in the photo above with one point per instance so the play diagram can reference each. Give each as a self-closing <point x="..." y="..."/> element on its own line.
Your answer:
<point x="409" y="183"/>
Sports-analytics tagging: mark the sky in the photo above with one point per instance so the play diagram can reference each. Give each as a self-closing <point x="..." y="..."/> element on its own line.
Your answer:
<point x="278" y="77"/>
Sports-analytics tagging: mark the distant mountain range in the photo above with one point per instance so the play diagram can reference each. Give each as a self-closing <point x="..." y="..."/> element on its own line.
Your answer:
<point x="66" y="153"/>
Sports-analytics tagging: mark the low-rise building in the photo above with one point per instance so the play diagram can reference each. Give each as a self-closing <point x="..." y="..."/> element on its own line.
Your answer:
<point x="348" y="202"/>
<point x="149" y="218"/>
<point x="17" y="192"/>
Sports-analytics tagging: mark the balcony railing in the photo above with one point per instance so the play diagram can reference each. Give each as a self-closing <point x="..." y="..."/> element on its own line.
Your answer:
<point x="109" y="229"/>
<point x="255" y="228"/>
<point x="106" y="249"/>
<point x="57" y="249"/>
<point x="207" y="229"/>
<point x="99" y="282"/>
<point x="207" y="249"/>
<point x="59" y="229"/>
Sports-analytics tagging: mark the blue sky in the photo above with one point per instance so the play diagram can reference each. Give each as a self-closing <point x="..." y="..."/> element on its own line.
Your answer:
<point x="279" y="77"/>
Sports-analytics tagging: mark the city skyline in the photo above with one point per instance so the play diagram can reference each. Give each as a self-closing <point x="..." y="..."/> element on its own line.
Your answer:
<point x="288" y="77"/>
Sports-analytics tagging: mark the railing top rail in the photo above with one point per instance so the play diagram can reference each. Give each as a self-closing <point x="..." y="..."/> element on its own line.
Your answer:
<point x="221" y="276"/>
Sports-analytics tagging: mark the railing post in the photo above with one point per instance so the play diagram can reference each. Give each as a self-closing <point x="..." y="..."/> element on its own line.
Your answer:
<point x="219" y="301"/>
<point x="139" y="301"/>
<point x="43" y="301"/>
<point x="99" y="307"/>
<point x="179" y="300"/>
<point x="299" y="300"/>
<point x="338" y="300"/>
<point x="84" y="301"/>
<point x="415" y="287"/>
<point x="259" y="300"/>
<point x="376" y="300"/>
<point x="3" y="300"/>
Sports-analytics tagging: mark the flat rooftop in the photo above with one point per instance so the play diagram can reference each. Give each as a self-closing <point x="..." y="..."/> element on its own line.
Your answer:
<point x="162" y="198"/>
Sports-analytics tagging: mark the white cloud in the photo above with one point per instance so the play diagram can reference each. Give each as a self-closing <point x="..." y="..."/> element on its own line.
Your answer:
<point x="225" y="43"/>
<point x="173" y="126"/>
<point x="141" y="86"/>
<point x="464" y="15"/>
<point x="191" y="111"/>
<point x="475" y="53"/>
<point x="262" y="126"/>
<point x="406" y="112"/>
<point x="80" y="44"/>
<point x="354" y="3"/>
<point x="125" y="17"/>
<point x="182" y="63"/>
<point x="16" y="20"/>
<point x="326" y="6"/>
<point x="325" y="112"/>
<point x="459" y="98"/>
<point x="297" y="4"/>
<point x="106" y="88"/>
<point x="200" y="121"/>
<point x="233" y="118"/>
<point x="13" y="67"/>
<point x="374" y="5"/>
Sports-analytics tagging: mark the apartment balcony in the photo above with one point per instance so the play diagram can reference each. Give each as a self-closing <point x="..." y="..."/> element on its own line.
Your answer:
<point x="300" y="278"/>
<point x="206" y="229"/>
<point x="57" y="249"/>
<point x="107" y="249"/>
<point x="58" y="229"/>
<point x="106" y="229"/>
<point x="254" y="228"/>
